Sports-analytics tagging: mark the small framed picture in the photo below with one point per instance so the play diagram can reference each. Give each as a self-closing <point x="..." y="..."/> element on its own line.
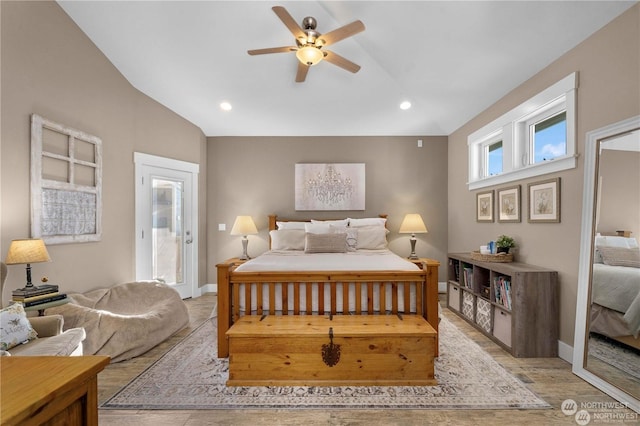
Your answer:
<point x="544" y="201"/>
<point x="484" y="207"/>
<point x="509" y="204"/>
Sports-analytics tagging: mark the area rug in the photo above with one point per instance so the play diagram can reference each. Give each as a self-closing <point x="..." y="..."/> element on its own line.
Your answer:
<point x="190" y="377"/>
<point x="620" y="356"/>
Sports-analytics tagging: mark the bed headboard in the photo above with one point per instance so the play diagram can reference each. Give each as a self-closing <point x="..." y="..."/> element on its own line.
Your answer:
<point x="274" y="217"/>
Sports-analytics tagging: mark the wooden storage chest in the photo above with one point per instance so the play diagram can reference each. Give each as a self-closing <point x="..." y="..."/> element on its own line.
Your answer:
<point x="373" y="350"/>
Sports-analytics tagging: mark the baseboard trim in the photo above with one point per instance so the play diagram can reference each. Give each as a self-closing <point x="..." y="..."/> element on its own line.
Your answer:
<point x="565" y="352"/>
<point x="207" y="288"/>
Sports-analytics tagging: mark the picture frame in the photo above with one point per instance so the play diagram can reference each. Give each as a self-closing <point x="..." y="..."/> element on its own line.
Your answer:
<point x="544" y="201"/>
<point x="509" y="204"/>
<point x="329" y="186"/>
<point x="66" y="183"/>
<point x="484" y="206"/>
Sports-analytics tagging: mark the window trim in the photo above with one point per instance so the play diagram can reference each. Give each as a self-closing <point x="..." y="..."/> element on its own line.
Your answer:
<point x="515" y="141"/>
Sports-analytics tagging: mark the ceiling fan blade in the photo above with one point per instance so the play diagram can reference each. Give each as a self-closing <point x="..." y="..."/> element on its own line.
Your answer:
<point x="290" y="23"/>
<point x="301" y="75"/>
<point x="272" y="50"/>
<point x="340" y="61"/>
<point x="341" y="33"/>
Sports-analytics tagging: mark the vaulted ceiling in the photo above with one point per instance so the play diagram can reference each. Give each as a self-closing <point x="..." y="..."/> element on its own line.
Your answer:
<point x="450" y="59"/>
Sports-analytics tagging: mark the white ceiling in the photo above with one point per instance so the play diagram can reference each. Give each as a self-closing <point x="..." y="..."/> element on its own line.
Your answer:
<point x="450" y="59"/>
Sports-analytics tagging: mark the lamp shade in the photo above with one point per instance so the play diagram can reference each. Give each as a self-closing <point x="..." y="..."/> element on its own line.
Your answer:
<point x="412" y="224"/>
<point x="27" y="251"/>
<point x="244" y="226"/>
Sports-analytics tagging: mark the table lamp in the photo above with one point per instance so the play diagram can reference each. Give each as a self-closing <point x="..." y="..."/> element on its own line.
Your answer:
<point x="27" y="252"/>
<point x="244" y="226"/>
<point x="413" y="224"/>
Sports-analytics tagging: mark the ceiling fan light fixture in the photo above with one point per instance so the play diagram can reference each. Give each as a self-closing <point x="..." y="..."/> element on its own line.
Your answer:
<point x="309" y="55"/>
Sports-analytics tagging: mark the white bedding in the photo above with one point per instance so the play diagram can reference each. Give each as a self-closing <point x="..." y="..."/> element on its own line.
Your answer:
<point x="618" y="288"/>
<point x="361" y="260"/>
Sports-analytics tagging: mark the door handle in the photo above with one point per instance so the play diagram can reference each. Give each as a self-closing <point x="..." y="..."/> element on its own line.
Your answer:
<point x="188" y="241"/>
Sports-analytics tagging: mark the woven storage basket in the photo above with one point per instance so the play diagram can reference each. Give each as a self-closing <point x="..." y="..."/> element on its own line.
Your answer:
<point x="499" y="258"/>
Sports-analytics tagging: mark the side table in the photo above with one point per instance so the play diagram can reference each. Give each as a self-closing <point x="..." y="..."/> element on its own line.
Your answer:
<point x="51" y="389"/>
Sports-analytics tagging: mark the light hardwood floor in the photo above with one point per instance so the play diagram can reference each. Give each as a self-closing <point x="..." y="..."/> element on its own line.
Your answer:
<point x="550" y="378"/>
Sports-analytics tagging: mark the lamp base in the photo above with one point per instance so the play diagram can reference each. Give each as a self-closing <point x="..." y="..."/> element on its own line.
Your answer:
<point x="245" y="243"/>
<point x="413" y="255"/>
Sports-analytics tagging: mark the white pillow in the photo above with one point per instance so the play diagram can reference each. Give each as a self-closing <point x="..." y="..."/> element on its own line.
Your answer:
<point x="352" y="235"/>
<point x="15" y="328"/>
<point x="379" y="221"/>
<point x="373" y="237"/>
<point x="287" y="239"/>
<point x="615" y="241"/>
<point x="341" y="222"/>
<point x="291" y="225"/>
<point x="317" y="228"/>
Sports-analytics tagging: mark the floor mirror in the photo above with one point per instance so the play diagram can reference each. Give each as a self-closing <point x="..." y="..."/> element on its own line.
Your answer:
<point x="607" y="343"/>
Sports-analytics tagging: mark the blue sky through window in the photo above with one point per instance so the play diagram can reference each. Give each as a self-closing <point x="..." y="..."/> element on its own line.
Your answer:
<point x="495" y="159"/>
<point x="551" y="141"/>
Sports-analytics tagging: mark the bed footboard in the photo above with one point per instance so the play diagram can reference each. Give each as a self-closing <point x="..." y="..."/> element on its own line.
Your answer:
<point x="326" y="292"/>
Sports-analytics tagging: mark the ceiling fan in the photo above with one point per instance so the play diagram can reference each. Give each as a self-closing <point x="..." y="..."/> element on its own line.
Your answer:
<point x="309" y="43"/>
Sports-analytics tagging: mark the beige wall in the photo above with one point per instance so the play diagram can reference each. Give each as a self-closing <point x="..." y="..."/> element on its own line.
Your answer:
<point x="255" y="176"/>
<point x="609" y="91"/>
<point x="620" y="205"/>
<point x="51" y="68"/>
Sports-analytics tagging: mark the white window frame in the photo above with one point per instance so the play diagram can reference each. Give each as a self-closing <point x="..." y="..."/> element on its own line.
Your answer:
<point x="486" y="144"/>
<point x="513" y="129"/>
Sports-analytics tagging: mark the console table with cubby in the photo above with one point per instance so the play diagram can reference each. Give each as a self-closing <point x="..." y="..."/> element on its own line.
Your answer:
<point x="515" y="304"/>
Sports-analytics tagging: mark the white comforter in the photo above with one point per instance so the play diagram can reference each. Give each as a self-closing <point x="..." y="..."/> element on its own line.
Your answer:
<point x="618" y="288"/>
<point x="361" y="260"/>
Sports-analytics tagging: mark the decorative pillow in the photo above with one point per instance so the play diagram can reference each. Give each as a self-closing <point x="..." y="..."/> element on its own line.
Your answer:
<point x="317" y="228"/>
<point x="291" y="225"/>
<point x="341" y="222"/>
<point x="325" y="243"/>
<point x="620" y="256"/>
<point x="15" y="328"/>
<point x="352" y="235"/>
<point x="372" y="237"/>
<point x="287" y="239"/>
<point x="379" y="221"/>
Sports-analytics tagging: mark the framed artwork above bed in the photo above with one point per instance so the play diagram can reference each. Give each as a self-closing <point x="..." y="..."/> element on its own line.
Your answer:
<point x="331" y="186"/>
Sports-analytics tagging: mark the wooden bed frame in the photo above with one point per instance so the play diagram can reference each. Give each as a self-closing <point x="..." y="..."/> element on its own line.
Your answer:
<point x="232" y="283"/>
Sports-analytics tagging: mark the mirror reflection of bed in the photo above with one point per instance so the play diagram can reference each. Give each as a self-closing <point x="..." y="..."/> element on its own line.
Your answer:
<point x="613" y="346"/>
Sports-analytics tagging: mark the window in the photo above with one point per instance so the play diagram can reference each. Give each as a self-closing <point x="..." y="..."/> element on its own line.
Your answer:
<point x="494" y="157"/>
<point x="533" y="139"/>
<point x="549" y="138"/>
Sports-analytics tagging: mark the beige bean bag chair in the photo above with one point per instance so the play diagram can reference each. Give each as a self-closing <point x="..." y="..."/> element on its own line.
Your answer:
<point x="126" y="320"/>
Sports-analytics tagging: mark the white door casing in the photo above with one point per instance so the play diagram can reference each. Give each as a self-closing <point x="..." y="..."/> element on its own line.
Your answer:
<point x="166" y="225"/>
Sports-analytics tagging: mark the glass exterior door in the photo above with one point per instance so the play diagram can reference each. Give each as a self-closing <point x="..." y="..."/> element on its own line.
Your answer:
<point x="167" y="227"/>
<point x="166" y="223"/>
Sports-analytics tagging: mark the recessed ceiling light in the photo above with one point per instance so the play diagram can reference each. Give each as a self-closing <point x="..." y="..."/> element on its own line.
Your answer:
<point x="225" y="106"/>
<point x="405" y="105"/>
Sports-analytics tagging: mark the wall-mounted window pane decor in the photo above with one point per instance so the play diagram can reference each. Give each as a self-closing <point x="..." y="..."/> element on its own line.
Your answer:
<point x="338" y="186"/>
<point x="66" y="183"/>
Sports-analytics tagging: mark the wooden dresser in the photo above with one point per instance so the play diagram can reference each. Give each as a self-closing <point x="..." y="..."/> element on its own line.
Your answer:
<point x="50" y="390"/>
